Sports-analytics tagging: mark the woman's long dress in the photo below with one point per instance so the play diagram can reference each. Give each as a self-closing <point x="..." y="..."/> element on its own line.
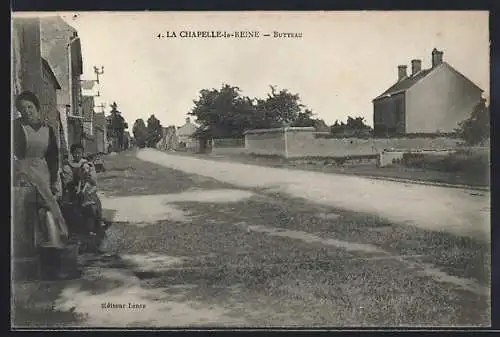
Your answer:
<point x="32" y="160"/>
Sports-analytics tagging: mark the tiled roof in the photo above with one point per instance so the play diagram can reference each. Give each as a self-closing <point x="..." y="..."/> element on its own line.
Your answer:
<point x="408" y="82"/>
<point x="405" y="84"/>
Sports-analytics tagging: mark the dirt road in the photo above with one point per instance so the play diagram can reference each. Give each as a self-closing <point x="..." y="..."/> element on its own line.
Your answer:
<point x="187" y="250"/>
<point x="457" y="211"/>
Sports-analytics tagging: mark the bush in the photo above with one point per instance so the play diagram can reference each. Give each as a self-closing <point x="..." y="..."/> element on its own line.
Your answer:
<point x="476" y="129"/>
<point x="468" y="162"/>
<point x="465" y="161"/>
<point x="413" y="160"/>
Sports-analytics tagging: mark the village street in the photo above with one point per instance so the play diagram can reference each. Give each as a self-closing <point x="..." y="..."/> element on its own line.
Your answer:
<point x="203" y="243"/>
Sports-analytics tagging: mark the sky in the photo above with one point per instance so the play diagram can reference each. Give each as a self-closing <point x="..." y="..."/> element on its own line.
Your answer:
<point x="342" y="61"/>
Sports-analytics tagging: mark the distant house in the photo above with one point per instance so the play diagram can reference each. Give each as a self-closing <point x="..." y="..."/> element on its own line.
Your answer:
<point x="168" y="141"/>
<point x="205" y="137"/>
<point x="432" y="100"/>
<point x="210" y="137"/>
<point x="100" y="132"/>
<point x="89" y="140"/>
<point x="88" y="113"/>
<point x="184" y="135"/>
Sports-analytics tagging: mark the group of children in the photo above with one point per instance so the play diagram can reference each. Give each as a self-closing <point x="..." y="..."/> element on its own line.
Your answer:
<point x="79" y="181"/>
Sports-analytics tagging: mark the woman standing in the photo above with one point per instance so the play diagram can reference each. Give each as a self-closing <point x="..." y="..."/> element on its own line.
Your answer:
<point x="36" y="156"/>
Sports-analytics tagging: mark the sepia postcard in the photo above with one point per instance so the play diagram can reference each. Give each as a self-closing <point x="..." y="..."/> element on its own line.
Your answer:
<point x="324" y="170"/>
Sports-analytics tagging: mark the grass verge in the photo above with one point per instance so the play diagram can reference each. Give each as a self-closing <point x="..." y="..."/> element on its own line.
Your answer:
<point x="326" y="165"/>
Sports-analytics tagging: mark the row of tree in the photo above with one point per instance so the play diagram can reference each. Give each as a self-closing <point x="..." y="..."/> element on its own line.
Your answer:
<point x="147" y="135"/>
<point x="144" y="135"/>
<point x="225" y="113"/>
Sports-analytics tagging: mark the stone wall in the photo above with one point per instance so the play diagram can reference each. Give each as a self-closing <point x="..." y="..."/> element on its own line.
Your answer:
<point x="301" y="142"/>
<point x="266" y="142"/>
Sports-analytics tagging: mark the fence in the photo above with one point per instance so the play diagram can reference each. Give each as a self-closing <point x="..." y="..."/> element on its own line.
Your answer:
<point x="300" y="142"/>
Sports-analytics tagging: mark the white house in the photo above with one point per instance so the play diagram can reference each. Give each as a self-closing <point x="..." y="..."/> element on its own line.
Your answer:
<point x="184" y="134"/>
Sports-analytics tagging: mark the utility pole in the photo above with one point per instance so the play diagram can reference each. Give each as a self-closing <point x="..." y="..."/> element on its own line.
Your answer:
<point x="98" y="72"/>
<point x="102" y="106"/>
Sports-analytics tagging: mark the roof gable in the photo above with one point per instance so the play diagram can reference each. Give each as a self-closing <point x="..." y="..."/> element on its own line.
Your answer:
<point x="187" y="129"/>
<point x="459" y="74"/>
<point x="47" y="67"/>
<point x="407" y="83"/>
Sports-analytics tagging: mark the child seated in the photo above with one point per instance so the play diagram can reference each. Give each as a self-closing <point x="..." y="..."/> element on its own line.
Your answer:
<point x="80" y="179"/>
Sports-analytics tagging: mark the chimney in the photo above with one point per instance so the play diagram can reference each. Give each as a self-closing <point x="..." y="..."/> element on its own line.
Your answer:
<point x="188" y="120"/>
<point x="416" y="66"/>
<point x="402" y="72"/>
<point x="437" y="57"/>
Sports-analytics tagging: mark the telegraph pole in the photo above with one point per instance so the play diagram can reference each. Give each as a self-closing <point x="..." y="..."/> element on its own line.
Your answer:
<point x="102" y="106"/>
<point x="98" y="72"/>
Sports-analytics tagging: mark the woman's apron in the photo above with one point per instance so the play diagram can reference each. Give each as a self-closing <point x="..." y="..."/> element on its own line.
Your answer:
<point x="34" y="167"/>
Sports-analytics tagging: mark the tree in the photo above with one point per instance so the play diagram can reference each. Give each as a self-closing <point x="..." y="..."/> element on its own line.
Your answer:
<point x="281" y="108"/>
<point x="116" y="126"/>
<point x="154" y="131"/>
<point x="355" y="126"/>
<point x="304" y="119"/>
<point x="224" y="112"/>
<point x="321" y="126"/>
<point x="476" y="129"/>
<point x="357" y="123"/>
<point x="140" y="133"/>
